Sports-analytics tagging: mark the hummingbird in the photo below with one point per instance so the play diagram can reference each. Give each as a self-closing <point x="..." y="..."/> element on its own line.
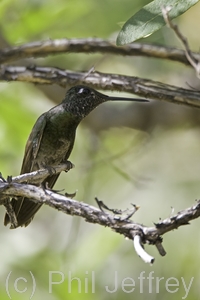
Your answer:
<point x="52" y="139"/>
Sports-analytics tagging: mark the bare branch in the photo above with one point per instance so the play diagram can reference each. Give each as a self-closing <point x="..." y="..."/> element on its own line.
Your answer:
<point x="68" y="206"/>
<point x="91" y="45"/>
<point x="33" y="177"/>
<point x="40" y="175"/>
<point x="194" y="61"/>
<point x="150" y="235"/>
<point x="139" y="234"/>
<point x="142" y="87"/>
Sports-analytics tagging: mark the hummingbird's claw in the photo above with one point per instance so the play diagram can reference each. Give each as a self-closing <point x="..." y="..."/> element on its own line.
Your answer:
<point x="70" y="166"/>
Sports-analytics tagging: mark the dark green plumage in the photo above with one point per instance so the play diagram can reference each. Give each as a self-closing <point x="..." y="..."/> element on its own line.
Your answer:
<point x="52" y="139"/>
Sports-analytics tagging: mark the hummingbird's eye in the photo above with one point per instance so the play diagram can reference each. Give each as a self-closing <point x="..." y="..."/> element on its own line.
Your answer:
<point x="84" y="91"/>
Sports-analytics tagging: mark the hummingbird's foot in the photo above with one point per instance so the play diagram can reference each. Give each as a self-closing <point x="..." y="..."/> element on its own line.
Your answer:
<point x="51" y="170"/>
<point x="124" y="214"/>
<point x="69" y="165"/>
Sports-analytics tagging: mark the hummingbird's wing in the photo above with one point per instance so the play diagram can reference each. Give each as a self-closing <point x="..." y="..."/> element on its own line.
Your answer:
<point x="33" y="145"/>
<point x="23" y="207"/>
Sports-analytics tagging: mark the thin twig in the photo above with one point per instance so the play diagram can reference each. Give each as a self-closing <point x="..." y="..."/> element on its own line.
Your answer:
<point x="194" y="61"/>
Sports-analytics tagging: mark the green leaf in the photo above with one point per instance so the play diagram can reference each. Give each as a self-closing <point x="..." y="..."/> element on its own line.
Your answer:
<point x="149" y="19"/>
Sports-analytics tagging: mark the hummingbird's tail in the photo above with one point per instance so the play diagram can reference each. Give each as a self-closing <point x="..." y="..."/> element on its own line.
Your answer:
<point x="25" y="209"/>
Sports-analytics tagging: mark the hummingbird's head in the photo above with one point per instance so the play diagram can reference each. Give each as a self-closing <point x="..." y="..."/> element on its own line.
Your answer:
<point x="80" y="100"/>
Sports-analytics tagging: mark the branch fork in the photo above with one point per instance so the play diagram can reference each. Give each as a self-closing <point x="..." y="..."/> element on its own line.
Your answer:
<point x="138" y="233"/>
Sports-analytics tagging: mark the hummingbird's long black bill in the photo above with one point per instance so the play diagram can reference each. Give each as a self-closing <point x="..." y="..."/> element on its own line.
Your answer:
<point x="112" y="98"/>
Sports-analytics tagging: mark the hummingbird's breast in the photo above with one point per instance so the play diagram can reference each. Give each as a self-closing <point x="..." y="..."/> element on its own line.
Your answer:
<point x="57" y="142"/>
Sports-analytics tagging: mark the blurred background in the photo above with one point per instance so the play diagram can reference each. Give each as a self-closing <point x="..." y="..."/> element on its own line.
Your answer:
<point x="147" y="154"/>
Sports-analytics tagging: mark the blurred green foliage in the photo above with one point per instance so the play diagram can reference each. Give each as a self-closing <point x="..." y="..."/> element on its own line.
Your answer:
<point x="57" y="19"/>
<point x="158" y="170"/>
